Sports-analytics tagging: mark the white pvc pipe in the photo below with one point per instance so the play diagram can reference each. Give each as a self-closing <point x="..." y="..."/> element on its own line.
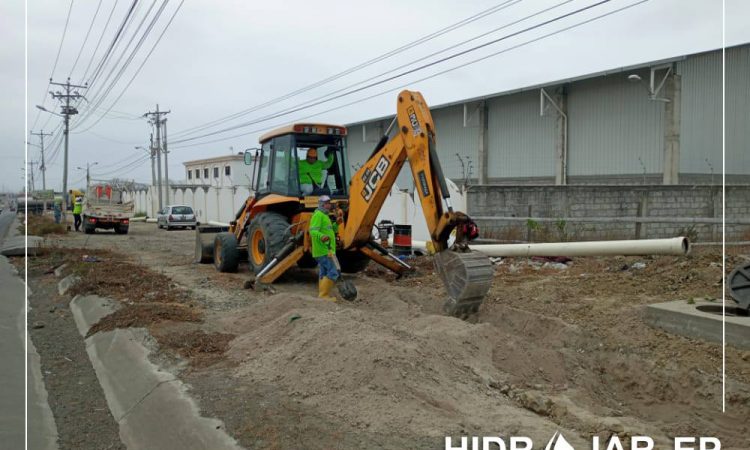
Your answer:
<point x="679" y="246"/>
<point x="672" y="246"/>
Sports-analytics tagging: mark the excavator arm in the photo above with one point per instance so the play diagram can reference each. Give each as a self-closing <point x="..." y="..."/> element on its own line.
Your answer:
<point x="467" y="275"/>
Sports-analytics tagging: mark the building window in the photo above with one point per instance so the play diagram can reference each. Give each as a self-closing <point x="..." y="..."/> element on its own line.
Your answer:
<point x="197" y="174"/>
<point x="227" y="170"/>
<point x="216" y="172"/>
<point x="205" y="173"/>
<point x="190" y="174"/>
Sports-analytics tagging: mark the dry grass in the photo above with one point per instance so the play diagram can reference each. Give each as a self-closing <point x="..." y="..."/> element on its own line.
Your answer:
<point x="42" y="226"/>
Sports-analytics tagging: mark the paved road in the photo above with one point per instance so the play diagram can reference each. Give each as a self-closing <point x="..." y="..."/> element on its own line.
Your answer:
<point x="12" y="298"/>
<point x="42" y="431"/>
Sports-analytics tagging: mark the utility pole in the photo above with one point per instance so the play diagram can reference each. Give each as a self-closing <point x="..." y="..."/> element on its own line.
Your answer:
<point x="166" y="160"/>
<point x="88" y="172"/>
<point x="42" y="167"/>
<point x="156" y="120"/>
<point x="31" y="175"/>
<point x="67" y="111"/>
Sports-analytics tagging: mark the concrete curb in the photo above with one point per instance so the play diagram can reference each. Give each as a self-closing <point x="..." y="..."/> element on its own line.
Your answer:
<point x="151" y="407"/>
<point x="683" y="318"/>
<point x="16" y="245"/>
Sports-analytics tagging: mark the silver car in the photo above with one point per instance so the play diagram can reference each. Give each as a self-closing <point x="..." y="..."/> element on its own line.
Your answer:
<point x="174" y="216"/>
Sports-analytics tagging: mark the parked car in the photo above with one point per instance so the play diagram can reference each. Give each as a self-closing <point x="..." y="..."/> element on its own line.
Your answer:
<point x="174" y="216"/>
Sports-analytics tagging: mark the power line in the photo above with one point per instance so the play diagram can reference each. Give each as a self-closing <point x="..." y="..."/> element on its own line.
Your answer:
<point x="424" y="78"/>
<point x="393" y="77"/>
<point x="85" y="39"/>
<point x="116" y="38"/>
<point x="99" y="42"/>
<point x="54" y="66"/>
<point x="102" y="93"/>
<point x="143" y="63"/>
<point x="360" y="66"/>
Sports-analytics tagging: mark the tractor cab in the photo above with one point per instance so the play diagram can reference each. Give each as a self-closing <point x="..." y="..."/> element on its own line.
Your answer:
<point x="301" y="160"/>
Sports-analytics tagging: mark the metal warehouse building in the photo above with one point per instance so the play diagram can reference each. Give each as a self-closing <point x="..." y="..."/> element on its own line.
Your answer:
<point x="632" y="152"/>
<point x="653" y="123"/>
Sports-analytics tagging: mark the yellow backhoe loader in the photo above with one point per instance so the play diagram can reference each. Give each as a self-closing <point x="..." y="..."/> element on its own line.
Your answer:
<point x="272" y="224"/>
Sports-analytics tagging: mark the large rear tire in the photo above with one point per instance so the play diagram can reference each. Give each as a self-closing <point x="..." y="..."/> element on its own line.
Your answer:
<point x="119" y="229"/>
<point x="204" y="249"/>
<point x="352" y="261"/>
<point x="226" y="255"/>
<point x="266" y="236"/>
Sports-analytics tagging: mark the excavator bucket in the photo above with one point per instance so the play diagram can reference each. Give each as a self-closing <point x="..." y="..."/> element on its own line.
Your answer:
<point x="467" y="278"/>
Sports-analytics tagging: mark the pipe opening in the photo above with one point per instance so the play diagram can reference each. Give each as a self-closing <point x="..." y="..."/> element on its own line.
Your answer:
<point x="730" y="311"/>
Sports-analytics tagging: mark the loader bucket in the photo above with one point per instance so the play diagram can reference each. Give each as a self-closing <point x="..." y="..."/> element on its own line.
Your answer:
<point x="204" y="242"/>
<point x="467" y="278"/>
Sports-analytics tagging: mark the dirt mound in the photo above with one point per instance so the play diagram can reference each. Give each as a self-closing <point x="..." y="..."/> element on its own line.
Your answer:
<point x="397" y="372"/>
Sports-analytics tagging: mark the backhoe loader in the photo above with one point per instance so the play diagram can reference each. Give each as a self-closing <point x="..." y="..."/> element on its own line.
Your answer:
<point x="272" y="224"/>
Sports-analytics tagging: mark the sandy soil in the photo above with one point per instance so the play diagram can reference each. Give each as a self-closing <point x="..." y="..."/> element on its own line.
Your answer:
<point x="551" y="349"/>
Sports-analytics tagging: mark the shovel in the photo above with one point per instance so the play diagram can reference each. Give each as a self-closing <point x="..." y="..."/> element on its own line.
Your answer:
<point x="346" y="288"/>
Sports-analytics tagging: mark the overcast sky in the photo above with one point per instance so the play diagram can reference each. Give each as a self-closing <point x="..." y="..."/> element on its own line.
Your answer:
<point x="222" y="57"/>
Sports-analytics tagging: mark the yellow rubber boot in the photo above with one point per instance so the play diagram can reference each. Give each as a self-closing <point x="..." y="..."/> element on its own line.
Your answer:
<point x="322" y="288"/>
<point x="325" y="286"/>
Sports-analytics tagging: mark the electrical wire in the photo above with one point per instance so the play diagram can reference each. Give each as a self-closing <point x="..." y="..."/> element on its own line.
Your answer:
<point x="421" y="79"/>
<point x="99" y="42"/>
<point x="394" y="77"/>
<point x="85" y="39"/>
<point x="103" y="91"/>
<point x="142" y="63"/>
<point x="360" y="66"/>
<point x="54" y="66"/>
<point x="112" y="45"/>
<point x="130" y="165"/>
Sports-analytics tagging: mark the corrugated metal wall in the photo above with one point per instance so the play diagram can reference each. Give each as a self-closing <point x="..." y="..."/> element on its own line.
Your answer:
<point x="738" y="110"/>
<point x="700" y="129"/>
<point x="521" y="142"/>
<point x="453" y="139"/>
<point x="612" y="124"/>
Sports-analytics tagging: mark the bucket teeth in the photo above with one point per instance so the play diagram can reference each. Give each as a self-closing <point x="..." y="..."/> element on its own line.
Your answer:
<point x="467" y="278"/>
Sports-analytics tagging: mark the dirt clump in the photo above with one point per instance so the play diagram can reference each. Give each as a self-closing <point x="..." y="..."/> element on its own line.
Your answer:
<point x="200" y="348"/>
<point x="137" y="315"/>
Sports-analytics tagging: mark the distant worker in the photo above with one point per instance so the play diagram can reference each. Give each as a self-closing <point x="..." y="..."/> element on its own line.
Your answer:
<point x="323" y="236"/>
<point x="57" y="212"/>
<point x="77" y="208"/>
<point x="311" y="171"/>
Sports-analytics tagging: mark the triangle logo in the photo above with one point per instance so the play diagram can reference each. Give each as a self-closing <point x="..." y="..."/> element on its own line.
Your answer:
<point x="558" y="442"/>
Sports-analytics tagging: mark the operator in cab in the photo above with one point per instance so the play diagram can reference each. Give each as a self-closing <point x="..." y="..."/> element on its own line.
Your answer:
<point x="323" y="236"/>
<point x="311" y="171"/>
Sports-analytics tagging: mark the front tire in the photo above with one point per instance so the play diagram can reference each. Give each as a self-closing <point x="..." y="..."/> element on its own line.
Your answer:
<point x="226" y="255"/>
<point x="266" y="236"/>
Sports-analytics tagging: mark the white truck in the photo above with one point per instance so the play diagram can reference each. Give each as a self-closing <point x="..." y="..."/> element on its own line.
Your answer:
<point x="104" y="207"/>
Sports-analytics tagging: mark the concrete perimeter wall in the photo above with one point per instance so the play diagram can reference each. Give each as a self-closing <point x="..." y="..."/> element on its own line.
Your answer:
<point x="220" y="204"/>
<point x="568" y="203"/>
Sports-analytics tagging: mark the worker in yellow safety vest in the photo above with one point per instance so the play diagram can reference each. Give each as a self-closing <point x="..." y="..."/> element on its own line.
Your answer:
<point x="323" y="237"/>
<point x="77" y="209"/>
